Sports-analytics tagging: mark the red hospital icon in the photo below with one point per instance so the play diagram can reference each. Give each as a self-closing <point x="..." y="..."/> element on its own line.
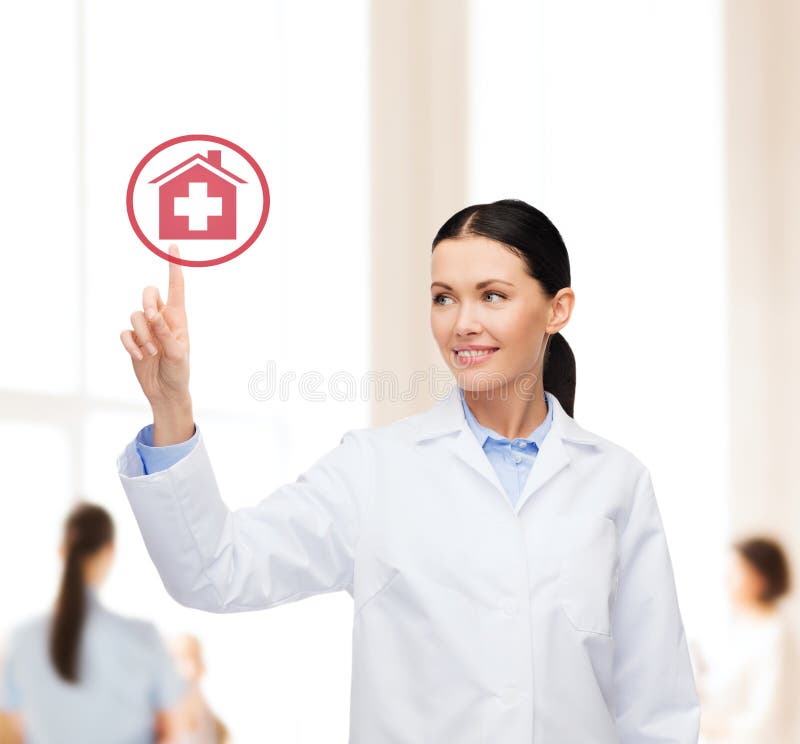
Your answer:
<point x="215" y="212"/>
<point x="197" y="200"/>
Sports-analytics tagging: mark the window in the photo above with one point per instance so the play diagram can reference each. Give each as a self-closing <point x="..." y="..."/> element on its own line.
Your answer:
<point x="288" y="82"/>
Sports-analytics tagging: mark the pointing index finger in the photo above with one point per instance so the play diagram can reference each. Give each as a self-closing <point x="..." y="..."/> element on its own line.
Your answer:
<point x="175" y="292"/>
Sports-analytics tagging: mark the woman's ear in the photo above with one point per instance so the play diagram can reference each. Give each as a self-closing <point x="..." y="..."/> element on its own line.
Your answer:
<point x="560" y="310"/>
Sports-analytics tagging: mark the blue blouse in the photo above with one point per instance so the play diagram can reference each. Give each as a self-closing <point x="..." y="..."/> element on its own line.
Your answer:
<point x="512" y="460"/>
<point x="126" y="677"/>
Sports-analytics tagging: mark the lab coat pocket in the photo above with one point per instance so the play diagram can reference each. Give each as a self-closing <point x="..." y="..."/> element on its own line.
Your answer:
<point x="588" y="574"/>
<point x="375" y="586"/>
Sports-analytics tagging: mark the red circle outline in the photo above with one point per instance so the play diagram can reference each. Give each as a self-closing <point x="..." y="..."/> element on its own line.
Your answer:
<point x="208" y="138"/>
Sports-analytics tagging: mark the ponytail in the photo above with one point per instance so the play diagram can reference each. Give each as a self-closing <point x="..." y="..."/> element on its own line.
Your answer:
<point x="559" y="372"/>
<point x="88" y="529"/>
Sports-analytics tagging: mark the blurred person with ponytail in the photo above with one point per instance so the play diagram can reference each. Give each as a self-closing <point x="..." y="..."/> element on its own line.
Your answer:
<point x="509" y="571"/>
<point x="748" y="674"/>
<point x="81" y="673"/>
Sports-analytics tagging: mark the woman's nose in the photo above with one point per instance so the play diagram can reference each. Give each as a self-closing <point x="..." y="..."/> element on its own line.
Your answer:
<point x="467" y="321"/>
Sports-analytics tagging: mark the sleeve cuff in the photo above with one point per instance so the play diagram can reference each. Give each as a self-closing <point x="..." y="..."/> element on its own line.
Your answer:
<point x="155" y="459"/>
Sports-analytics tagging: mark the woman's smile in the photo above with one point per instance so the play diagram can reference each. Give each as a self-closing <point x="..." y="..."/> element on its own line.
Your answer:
<point x="470" y="357"/>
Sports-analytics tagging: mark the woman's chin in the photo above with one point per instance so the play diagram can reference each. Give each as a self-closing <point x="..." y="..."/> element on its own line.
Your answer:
<point x="475" y="381"/>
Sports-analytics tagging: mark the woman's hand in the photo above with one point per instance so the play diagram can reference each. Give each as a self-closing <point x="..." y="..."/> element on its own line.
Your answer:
<point x="159" y="345"/>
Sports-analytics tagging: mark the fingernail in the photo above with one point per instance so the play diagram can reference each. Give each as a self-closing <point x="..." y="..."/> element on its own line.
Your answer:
<point x="138" y="355"/>
<point x="152" y="349"/>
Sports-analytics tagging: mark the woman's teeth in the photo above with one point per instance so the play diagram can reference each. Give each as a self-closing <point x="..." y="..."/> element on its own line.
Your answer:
<point x="473" y="353"/>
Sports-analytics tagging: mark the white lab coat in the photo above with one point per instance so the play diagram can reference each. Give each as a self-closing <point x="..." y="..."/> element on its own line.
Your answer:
<point x="474" y="622"/>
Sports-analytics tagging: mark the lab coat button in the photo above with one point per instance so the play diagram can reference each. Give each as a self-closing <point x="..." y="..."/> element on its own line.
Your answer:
<point x="517" y="458"/>
<point x="510" y="607"/>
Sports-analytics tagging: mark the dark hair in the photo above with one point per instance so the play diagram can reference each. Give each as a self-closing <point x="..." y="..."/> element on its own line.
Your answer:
<point x="87" y="529"/>
<point x="530" y="234"/>
<point x="767" y="557"/>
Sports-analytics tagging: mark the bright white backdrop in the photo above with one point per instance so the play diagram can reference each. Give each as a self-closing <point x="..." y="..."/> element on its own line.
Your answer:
<point x="94" y="93"/>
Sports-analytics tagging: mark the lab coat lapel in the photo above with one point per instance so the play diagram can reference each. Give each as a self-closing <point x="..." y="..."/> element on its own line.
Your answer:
<point x="465" y="446"/>
<point x="550" y="460"/>
<point x="553" y="455"/>
<point x="447" y="417"/>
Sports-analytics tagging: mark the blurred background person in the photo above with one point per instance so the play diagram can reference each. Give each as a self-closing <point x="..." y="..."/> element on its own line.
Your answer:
<point x="83" y="673"/>
<point x="198" y="723"/>
<point x="746" y="680"/>
<point x="9" y="734"/>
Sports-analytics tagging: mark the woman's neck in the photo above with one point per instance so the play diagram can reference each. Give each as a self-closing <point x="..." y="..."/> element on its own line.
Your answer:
<point x="511" y="414"/>
<point x="757" y="609"/>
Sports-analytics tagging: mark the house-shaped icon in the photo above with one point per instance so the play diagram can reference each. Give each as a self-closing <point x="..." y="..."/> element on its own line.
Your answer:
<point x="197" y="200"/>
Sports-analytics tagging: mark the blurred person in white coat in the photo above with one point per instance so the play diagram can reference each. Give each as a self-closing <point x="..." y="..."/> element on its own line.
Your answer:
<point x="509" y="569"/>
<point x="748" y="678"/>
<point x="82" y="673"/>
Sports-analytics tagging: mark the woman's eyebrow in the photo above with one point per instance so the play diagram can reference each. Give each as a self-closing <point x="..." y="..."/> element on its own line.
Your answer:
<point x="479" y="285"/>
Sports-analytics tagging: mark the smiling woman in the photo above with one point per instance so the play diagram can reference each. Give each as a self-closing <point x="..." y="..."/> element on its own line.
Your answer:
<point x="507" y="323"/>
<point x="546" y="611"/>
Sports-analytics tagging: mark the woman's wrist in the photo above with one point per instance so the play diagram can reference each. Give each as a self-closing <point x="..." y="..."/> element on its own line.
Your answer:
<point x="173" y="423"/>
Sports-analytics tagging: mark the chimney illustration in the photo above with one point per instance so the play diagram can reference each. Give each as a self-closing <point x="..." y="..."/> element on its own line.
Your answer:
<point x="215" y="158"/>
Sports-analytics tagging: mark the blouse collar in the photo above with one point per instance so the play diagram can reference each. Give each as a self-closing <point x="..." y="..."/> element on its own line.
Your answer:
<point x="482" y="433"/>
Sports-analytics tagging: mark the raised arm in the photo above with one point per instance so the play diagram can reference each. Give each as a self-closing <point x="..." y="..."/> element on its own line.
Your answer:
<point x="298" y="541"/>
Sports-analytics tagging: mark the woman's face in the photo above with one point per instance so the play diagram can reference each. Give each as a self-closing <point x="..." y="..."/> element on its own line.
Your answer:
<point x="511" y="313"/>
<point x="745" y="584"/>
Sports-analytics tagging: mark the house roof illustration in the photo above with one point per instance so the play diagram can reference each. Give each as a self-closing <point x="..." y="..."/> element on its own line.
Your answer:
<point x="212" y="162"/>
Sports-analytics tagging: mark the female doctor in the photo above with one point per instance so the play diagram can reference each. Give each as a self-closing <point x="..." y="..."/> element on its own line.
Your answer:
<point x="509" y="570"/>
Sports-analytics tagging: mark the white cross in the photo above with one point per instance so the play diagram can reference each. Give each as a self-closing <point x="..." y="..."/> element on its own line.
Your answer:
<point x="198" y="206"/>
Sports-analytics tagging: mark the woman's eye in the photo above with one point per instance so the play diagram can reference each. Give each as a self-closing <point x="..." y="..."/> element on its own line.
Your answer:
<point x="445" y="297"/>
